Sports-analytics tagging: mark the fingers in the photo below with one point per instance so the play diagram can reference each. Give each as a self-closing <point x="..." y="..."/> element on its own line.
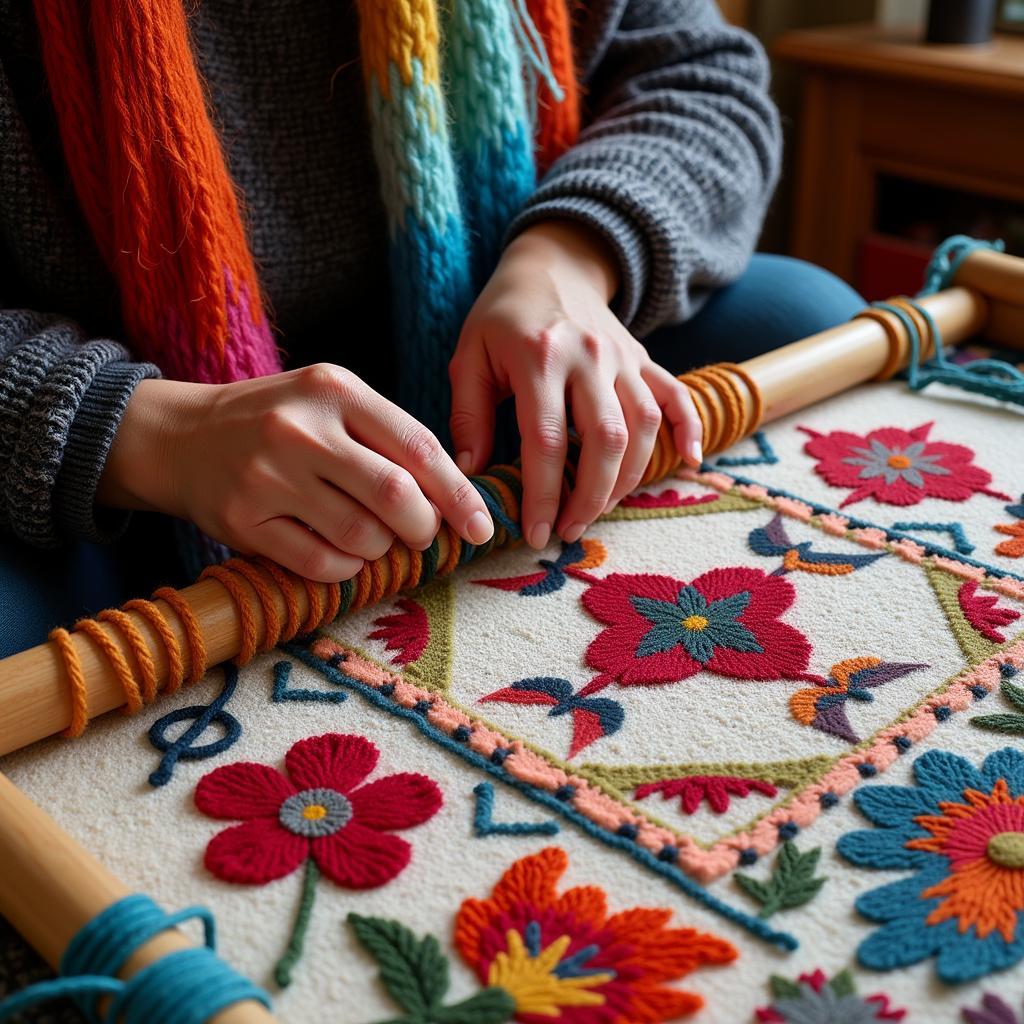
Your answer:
<point x="643" y="418"/>
<point x="680" y="412"/>
<point x="420" y="470"/>
<point x="540" y="412"/>
<point x="598" y="416"/>
<point x="386" y="490"/>
<point x="298" y="548"/>
<point x="343" y="523"/>
<point x="473" y="401"/>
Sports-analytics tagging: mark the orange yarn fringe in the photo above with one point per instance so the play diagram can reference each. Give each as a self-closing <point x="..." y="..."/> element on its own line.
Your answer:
<point x="265" y="595"/>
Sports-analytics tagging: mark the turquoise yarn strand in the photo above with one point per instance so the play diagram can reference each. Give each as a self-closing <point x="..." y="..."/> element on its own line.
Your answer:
<point x="992" y="377"/>
<point x="946" y="260"/>
<point x="185" y="987"/>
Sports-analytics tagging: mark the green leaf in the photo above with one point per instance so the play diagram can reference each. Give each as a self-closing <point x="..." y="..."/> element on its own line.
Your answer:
<point x="414" y="971"/>
<point x="792" y="883"/>
<point x="752" y="887"/>
<point x="1008" y="723"/>
<point x="491" y="1006"/>
<point x="783" y="988"/>
<point x="842" y="984"/>
<point x="1013" y="693"/>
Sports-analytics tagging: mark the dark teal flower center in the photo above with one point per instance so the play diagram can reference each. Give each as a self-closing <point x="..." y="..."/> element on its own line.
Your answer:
<point x="695" y="624"/>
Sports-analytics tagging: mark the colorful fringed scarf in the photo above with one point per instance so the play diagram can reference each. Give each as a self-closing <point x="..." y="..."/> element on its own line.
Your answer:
<point x="154" y="186"/>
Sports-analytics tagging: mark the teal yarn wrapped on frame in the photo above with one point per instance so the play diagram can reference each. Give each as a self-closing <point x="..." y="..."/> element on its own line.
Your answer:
<point x="992" y="377"/>
<point x="188" y="986"/>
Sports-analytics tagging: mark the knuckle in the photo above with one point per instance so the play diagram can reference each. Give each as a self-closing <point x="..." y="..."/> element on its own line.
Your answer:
<point x="317" y="563"/>
<point x="463" y="494"/>
<point x="545" y="506"/>
<point x="593" y="347"/>
<point x="648" y="416"/>
<point x="394" y="487"/>
<point x="422" y="449"/>
<point x="234" y="515"/>
<point x="543" y="349"/>
<point x="277" y="426"/>
<point x="592" y="505"/>
<point x="326" y="379"/>
<point x="611" y="436"/>
<point x="355" y="532"/>
<point x="549" y="440"/>
<point x="462" y="422"/>
<point x="251" y="477"/>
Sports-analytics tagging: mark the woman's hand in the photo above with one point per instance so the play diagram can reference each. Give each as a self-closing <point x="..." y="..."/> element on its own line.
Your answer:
<point x="542" y="330"/>
<point x="310" y="467"/>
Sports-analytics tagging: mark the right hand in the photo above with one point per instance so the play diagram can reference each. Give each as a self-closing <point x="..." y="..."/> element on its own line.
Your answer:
<point x="311" y="468"/>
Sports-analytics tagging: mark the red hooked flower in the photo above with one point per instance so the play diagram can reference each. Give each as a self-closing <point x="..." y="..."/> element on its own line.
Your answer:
<point x="666" y="499"/>
<point x="564" y="959"/>
<point x="983" y="612"/>
<point x="320" y="810"/>
<point x="716" y="789"/>
<point x="320" y="814"/>
<point x="662" y="629"/>
<point x="406" y="632"/>
<point x="897" y="467"/>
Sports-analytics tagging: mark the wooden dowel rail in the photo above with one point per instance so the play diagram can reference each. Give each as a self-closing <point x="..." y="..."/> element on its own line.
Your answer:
<point x="50" y="887"/>
<point x="34" y="695"/>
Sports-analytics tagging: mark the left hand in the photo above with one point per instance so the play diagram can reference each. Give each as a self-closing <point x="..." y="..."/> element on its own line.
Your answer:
<point x="542" y="331"/>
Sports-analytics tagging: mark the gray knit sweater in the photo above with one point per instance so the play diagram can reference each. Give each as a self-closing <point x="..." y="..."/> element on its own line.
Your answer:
<point x="675" y="168"/>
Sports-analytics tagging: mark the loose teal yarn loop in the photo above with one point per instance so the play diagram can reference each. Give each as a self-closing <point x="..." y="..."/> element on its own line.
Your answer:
<point x="992" y="377"/>
<point x="188" y="986"/>
<point x="946" y="260"/>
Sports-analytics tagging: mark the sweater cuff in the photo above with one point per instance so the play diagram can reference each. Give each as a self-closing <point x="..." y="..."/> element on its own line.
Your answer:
<point x="85" y="454"/>
<point x="622" y="234"/>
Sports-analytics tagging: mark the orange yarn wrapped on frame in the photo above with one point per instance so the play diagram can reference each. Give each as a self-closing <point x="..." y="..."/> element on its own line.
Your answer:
<point x="730" y="408"/>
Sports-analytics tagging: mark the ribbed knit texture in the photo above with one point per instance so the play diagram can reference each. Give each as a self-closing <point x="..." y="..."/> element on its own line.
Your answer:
<point x="674" y="166"/>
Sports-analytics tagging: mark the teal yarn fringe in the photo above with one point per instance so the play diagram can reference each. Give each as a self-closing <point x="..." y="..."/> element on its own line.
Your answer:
<point x="186" y="987"/>
<point x="992" y="377"/>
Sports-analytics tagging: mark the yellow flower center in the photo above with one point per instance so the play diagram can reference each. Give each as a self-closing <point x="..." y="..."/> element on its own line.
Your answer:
<point x="314" y="812"/>
<point x="697" y="622"/>
<point x="532" y="983"/>
<point x="899" y="461"/>
<point x="1006" y="849"/>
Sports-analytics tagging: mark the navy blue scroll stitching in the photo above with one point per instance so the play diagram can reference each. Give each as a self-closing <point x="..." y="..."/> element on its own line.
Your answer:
<point x="205" y="715"/>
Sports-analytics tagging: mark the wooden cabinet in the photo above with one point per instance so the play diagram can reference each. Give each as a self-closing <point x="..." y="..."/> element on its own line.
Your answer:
<point x="877" y="107"/>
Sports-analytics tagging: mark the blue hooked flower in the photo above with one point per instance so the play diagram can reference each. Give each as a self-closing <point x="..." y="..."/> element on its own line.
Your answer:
<point x="961" y="830"/>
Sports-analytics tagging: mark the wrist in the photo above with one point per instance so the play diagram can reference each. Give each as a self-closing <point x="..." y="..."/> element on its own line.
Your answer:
<point x="569" y="242"/>
<point x="141" y="471"/>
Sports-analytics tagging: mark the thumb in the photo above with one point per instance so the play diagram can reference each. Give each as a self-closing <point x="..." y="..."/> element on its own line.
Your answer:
<point x="473" y="399"/>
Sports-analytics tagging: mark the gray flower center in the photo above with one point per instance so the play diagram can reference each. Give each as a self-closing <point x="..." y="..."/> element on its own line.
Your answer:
<point x="314" y="813"/>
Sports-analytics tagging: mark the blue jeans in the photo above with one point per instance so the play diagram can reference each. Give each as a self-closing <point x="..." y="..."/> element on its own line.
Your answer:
<point x="777" y="300"/>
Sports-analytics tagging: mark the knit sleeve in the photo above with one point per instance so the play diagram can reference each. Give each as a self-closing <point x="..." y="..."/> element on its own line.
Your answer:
<point x="678" y="157"/>
<point x="62" y="397"/>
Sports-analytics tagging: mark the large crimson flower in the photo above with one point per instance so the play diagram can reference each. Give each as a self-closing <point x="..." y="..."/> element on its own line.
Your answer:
<point x="320" y="815"/>
<point x="897" y="467"/>
<point x="662" y="629"/>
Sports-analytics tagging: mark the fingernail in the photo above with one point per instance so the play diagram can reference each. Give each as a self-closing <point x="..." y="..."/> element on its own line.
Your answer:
<point x="540" y="535"/>
<point x="479" y="528"/>
<point x="464" y="460"/>
<point x="696" y="455"/>
<point x="573" y="532"/>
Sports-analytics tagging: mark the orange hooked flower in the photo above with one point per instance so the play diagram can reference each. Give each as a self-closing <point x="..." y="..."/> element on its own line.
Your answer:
<point x="564" y="958"/>
<point x="984" y="841"/>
